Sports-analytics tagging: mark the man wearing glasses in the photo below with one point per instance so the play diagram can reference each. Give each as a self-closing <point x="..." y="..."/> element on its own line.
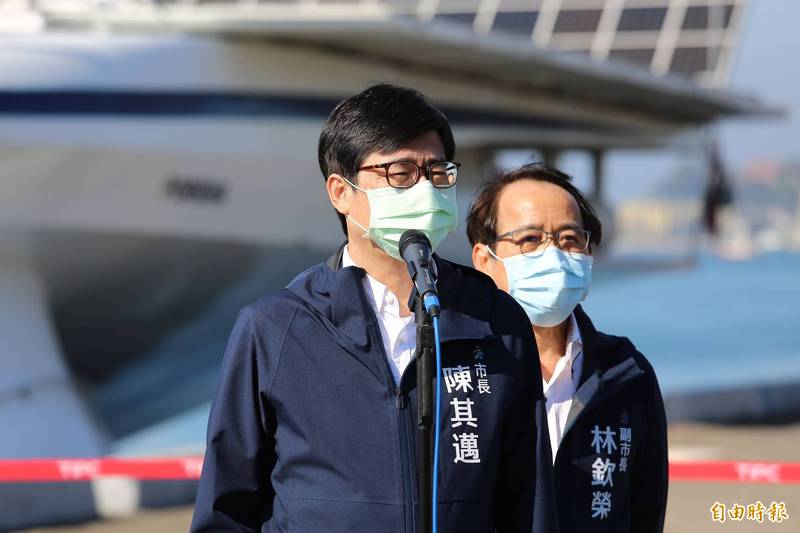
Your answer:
<point x="532" y="232"/>
<point x="313" y="427"/>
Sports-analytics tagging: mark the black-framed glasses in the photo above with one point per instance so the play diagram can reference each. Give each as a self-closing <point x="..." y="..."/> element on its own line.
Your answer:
<point x="532" y="242"/>
<point x="405" y="174"/>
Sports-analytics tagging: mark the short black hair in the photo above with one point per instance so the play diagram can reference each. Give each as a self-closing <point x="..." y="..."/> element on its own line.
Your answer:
<point x="482" y="218"/>
<point x="382" y="118"/>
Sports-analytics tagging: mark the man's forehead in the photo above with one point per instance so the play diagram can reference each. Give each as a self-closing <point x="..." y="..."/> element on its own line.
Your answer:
<point x="427" y="146"/>
<point x="539" y="203"/>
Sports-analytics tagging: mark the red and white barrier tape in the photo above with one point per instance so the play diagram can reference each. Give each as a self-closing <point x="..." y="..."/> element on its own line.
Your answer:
<point x="735" y="472"/>
<point x="188" y="468"/>
<point x="88" y="469"/>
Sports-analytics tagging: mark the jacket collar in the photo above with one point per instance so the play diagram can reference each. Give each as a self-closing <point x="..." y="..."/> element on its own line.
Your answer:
<point x="457" y="319"/>
<point x="334" y="262"/>
<point x="606" y="368"/>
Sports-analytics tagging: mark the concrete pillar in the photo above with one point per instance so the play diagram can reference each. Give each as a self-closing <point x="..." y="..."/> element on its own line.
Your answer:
<point x="550" y="155"/>
<point x="477" y="167"/>
<point x="598" y="175"/>
<point x="597" y="198"/>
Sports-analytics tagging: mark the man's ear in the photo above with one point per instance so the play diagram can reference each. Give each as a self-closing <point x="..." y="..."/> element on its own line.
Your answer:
<point x="338" y="192"/>
<point x="481" y="258"/>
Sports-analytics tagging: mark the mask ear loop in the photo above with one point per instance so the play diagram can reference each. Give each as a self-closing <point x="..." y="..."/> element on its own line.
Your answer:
<point x="488" y="249"/>
<point x="353" y="185"/>
<point x="365" y="234"/>
<point x="508" y="277"/>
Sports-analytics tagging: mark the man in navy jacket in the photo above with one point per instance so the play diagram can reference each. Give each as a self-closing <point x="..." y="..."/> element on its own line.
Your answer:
<point x="532" y="231"/>
<point x="313" y="425"/>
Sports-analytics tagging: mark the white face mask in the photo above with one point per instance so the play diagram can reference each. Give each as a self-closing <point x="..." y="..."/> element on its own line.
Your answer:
<point x="422" y="207"/>
<point x="548" y="286"/>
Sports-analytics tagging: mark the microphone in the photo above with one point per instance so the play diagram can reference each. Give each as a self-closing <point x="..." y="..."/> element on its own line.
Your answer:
<point x="415" y="249"/>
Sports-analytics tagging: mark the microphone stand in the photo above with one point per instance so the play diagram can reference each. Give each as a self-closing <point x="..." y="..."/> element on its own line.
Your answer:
<point x="425" y="354"/>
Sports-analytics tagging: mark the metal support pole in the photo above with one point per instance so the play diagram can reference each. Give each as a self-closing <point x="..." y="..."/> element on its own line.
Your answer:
<point x="425" y="353"/>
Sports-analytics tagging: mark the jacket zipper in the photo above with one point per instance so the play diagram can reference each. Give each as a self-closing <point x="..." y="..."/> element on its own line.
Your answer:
<point x="406" y="458"/>
<point x="407" y="468"/>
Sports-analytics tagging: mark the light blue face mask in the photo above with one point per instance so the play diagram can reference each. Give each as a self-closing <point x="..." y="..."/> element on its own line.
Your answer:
<point x="548" y="286"/>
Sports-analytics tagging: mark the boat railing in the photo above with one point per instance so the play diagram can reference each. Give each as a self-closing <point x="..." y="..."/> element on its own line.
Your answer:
<point x="423" y="9"/>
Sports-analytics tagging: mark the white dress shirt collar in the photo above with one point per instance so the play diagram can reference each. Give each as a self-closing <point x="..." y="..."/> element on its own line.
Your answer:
<point x="398" y="333"/>
<point x="563" y="384"/>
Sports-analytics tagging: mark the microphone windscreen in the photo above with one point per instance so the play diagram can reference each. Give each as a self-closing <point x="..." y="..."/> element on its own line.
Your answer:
<point x="412" y="236"/>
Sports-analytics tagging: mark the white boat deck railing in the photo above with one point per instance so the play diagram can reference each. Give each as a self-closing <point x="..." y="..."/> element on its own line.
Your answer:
<point x="37" y="15"/>
<point x="424" y="9"/>
<point x="703" y="52"/>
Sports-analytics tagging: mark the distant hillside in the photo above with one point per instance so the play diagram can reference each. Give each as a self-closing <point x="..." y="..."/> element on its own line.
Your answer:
<point x="770" y="184"/>
<point x="684" y="183"/>
<point x="761" y="184"/>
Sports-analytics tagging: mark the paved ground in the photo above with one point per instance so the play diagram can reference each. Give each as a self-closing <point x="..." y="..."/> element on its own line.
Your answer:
<point x="744" y="443"/>
<point x="688" y="510"/>
<point x="689" y="503"/>
<point x="159" y="521"/>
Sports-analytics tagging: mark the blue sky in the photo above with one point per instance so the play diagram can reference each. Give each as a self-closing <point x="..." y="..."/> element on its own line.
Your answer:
<point x="767" y="64"/>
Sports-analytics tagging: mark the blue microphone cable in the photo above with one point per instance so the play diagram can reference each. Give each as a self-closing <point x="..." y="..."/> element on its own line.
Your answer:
<point x="437" y="411"/>
<point x="431" y="304"/>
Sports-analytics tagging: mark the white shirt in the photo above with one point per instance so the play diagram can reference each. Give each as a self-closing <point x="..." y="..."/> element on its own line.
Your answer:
<point x="560" y="390"/>
<point x="399" y="334"/>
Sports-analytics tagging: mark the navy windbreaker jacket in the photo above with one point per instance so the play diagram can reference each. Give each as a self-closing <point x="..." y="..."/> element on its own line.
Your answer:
<point x="308" y="431"/>
<point x="611" y="472"/>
